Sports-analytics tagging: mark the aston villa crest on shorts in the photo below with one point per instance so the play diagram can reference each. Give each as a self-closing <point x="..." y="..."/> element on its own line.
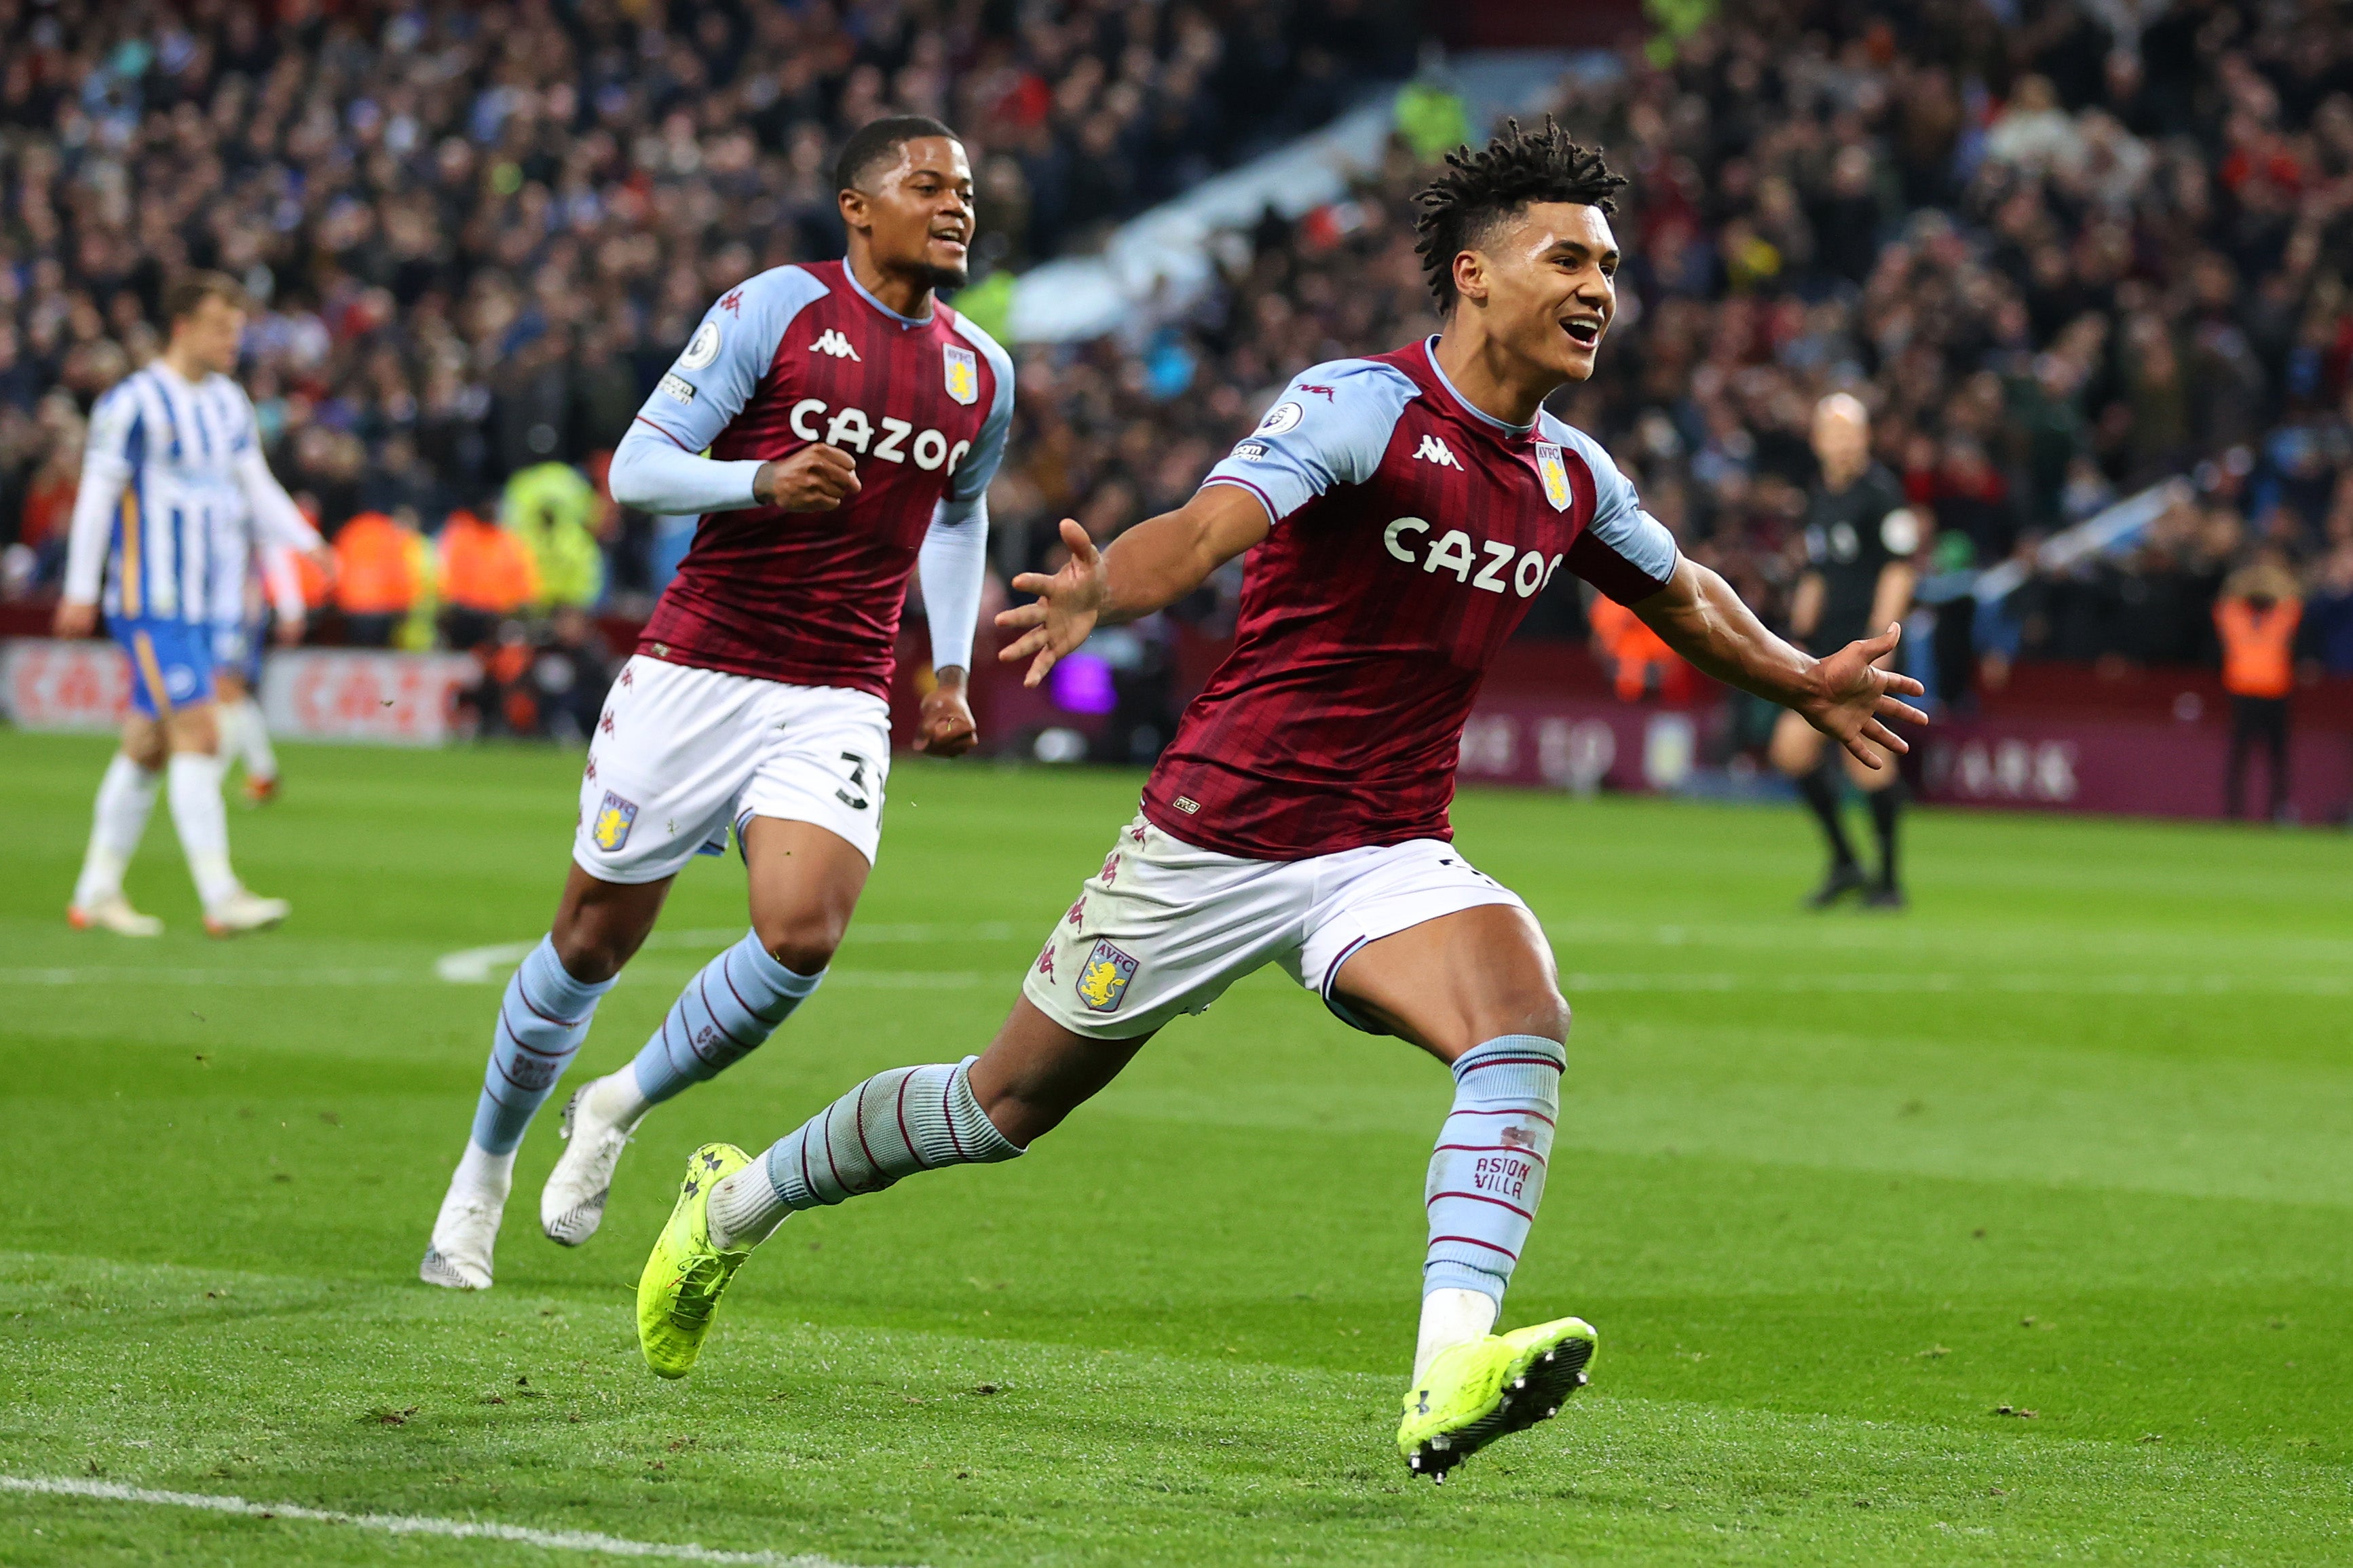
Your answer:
<point x="1103" y="980"/>
<point x="615" y="817"/>
<point x="1556" y="475"/>
<point x="963" y="375"/>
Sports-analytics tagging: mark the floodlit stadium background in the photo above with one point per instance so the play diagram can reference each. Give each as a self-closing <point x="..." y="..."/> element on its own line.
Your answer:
<point x="2008" y="1228"/>
<point x="2085" y="258"/>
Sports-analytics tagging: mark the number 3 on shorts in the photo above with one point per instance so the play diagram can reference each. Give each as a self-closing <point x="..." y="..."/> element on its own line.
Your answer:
<point x="853" y="794"/>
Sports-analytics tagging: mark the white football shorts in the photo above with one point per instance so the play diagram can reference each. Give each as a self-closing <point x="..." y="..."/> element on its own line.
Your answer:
<point x="683" y="754"/>
<point x="1165" y="927"/>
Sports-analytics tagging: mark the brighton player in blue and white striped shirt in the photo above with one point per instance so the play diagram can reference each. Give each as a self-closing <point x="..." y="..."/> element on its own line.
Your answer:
<point x="173" y="460"/>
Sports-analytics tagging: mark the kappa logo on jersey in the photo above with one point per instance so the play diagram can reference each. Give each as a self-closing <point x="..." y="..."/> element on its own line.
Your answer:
<point x="1433" y="450"/>
<point x="1102" y="982"/>
<point x="615" y="817"/>
<point x="963" y="374"/>
<point x="852" y="431"/>
<point x="702" y="349"/>
<point x="831" y="341"/>
<point x="1555" y="471"/>
<point x="1451" y="552"/>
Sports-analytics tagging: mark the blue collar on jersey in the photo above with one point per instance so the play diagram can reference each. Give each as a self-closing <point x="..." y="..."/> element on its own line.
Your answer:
<point x="1429" y="350"/>
<point x="851" y="273"/>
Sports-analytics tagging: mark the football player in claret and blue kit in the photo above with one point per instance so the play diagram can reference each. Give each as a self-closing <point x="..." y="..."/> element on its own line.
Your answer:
<point x="1399" y="513"/>
<point x="832" y="424"/>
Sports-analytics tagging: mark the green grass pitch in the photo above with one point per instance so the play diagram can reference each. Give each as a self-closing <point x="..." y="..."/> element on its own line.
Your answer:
<point x="2070" y="1141"/>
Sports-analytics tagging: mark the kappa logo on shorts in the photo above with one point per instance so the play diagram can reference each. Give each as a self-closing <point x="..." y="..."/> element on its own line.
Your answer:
<point x="1103" y="983"/>
<point x="615" y="817"/>
<point x="1046" y="958"/>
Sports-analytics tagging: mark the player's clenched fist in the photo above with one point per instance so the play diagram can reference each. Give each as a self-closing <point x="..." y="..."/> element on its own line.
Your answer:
<point x="817" y="478"/>
<point x="946" y="728"/>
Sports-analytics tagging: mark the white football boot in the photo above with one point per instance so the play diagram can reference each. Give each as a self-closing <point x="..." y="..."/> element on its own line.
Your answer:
<point x="114" y="915"/>
<point x="465" y="1233"/>
<point x="243" y="911"/>
<point x="596" y="1127"/>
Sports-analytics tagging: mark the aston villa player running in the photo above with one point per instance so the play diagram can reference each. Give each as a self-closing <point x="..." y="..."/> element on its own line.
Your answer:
<point x="1401" y="512"/>
<point x="833" y="424"/>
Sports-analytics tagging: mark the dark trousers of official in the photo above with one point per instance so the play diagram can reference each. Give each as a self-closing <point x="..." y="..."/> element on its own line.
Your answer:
<point x="2257" y="719"/>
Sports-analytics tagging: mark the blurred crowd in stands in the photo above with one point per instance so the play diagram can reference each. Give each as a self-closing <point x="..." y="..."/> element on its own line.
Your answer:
<point x="2064" y="248"/>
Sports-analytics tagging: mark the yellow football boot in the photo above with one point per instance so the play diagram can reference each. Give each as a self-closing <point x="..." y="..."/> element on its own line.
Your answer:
<point x="1489" y="1388"/>
<point x="686" y="1275"/>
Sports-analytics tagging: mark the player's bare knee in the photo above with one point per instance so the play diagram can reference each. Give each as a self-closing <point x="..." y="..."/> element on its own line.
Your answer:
<point x="805" y="941"/>
<point x="590" y="952"/>
<point x="1542" y="1011"/>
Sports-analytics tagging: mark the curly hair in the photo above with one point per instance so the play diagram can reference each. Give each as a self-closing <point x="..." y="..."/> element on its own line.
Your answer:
<point x="1462" y="208"/>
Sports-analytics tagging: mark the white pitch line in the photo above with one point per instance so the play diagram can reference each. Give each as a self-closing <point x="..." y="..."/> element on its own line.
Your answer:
<point x="412" y="1524"/>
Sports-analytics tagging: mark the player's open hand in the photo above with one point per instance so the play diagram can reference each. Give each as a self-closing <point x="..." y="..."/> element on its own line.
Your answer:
<point x="1065" y="611"/>
<point x="944" y="727"/>
<point x="1855" y="699"/>
<point x="74" y="620"/>
<point x="817" y="478"/>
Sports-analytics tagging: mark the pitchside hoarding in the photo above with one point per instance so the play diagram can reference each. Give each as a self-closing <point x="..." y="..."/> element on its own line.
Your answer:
<point x="313" y="694"/>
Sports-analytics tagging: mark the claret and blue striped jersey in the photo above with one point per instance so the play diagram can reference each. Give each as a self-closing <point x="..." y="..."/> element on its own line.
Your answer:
<point x="166" y="451"/>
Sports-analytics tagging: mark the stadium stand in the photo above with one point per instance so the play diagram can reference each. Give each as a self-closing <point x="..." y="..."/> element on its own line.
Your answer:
<point x="2066" y="250"/>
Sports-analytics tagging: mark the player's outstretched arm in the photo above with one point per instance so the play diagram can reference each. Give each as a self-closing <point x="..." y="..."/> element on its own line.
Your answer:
<point x="1844" y="696"/>
<point x="1150" y="567"/>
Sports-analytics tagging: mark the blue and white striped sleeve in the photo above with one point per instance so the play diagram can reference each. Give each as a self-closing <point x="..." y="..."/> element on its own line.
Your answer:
<point x="1624" y="552"/>
<point x="1329" y="429"/>
<point x="658" y="467"/>
<point x="108" y="457"/>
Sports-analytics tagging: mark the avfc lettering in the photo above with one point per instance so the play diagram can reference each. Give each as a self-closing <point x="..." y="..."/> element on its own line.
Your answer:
<point x="852" y="430"/>
<point x="1452" y="552"/>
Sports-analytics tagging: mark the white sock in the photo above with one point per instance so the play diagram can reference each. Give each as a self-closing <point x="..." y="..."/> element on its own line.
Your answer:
<point x="743" y="1209"/>
<point x="482" y="1175"/>
<point x="1449" y="1317"/>
<point x="246" y="739"/>
<point x="202" y="825"/>
<point x="615" y="1097"/>
<point x="125" y="797"/>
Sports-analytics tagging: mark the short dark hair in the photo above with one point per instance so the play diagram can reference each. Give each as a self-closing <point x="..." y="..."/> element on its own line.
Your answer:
<point x="878" y="142"/>
<point x="1479" y="190"/>
<point x="185" y="294"/>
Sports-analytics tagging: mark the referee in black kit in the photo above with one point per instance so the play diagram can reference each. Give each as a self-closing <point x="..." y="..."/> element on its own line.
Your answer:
<point x="1861" y="535"/>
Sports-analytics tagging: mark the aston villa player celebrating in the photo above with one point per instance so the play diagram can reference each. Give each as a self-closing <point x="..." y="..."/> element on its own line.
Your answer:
<point x="833" y="424"/>
<point x="1401" y="512"/>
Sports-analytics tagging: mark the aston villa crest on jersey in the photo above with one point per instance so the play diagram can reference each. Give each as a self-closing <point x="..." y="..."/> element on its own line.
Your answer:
<point x="963" y="375"/>
<point x="1556" y="475"/>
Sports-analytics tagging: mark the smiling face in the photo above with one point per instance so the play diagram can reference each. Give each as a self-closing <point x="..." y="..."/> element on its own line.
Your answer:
<point x="915" y="214"/>
<point x="1544" y="282"/>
